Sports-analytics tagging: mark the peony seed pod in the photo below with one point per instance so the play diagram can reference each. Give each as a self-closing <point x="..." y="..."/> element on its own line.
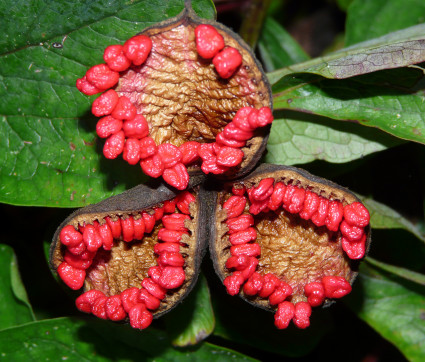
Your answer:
<point x="279" y="248"/>
<point x="195" y="82"/>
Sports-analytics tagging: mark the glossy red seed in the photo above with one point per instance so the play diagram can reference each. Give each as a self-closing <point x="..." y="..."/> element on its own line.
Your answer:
<point x="351" y="233"/>
<point x="137" y="48"/>
<point x="281" y="292"/>
<point x="169" y="154"/>
<point x="140" y="317"/>
<point x="311" y="204"/>
<point x="356" y="214"/>
<point x="253" y="284"/>
<point x="354" y="249"/>
<point x="276" y="198"/>
<point x="229" y="157"/>
<point x="77" y="249"/>
<point x="115" y="58"/>
<point x="243" y="237"/>
<point x="297" y="201"/>
<point x="148" y="299"/>
<point x="115" y="227"/>
<point x="175" y="222"/>
<point x="265" y="117"/>
<point x="108" y="126"/>
<point x="138" y="127"/>
<point x="127" y="226"/>
<point x="211" y="166"/>
<point x="124" y="109"/>
<point x="99" y="308"/>
<point x="72" y="277"/>
<point x="171" y="277"/>
<point x="246" y="249"/>
<point x="240" y="120"/>
<point x="131" y="152"/>
<point x="114" y="308"/>
<point x="158" y="213"/>
<point x="238" y="190"/>
<point x="183" y="200"/>
<point x="239" y="262"/>
<point x="234" y="282"/>
<point x="153" y="288"/>
<point x="177" y="176"/>
<point x="114" y="145"/>
<point x="169" y="206"/>
<point x="103" y="105"/>
<point x="86" y="300"/>
<point x="166" y="247"/>
<point x="232" y="132"/>
<point x="171" y="236"/>
<point x="227" y="62"/>
<point x="129" y="298"/>
<point x="239" y="223"/>
<point x="315" y="293"/>
<point x="270" y="282"/>
<point x="139" y="228"/>
<point x="335" y="214"/>
<point x="283" y="316"/>
<point x="92" y="238"/>
<point x="263" y="191"/>
<point x="208" y="41"/>
<point x="102" y="77"/>
<point x="167" y="258"/>
<point x="335" y="287"/>
<point x="84" y="86"/>
<point x="155" y="273"/>
<point x="152" y="166"/>
<point x="105" y="233"/>
<point x="234" y="206"/>
<point x="302" y="315"/>
<point x="147" y="147"/>
<point x="319" y="217"/>
<point x="206" y="152"/>
<point x="76" y="261"/>
<point x="223" y="140"/>
<point x="189" y="152"/>
<point x="250" y="269"/>
<point x="149" y="221"/>
<point x="69" y="236"/>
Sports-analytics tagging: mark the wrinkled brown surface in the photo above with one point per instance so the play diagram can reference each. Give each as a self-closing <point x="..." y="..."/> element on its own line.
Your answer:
<point x="181" y="94"/>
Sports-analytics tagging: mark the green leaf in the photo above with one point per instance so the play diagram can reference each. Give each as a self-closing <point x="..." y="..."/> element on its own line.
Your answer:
<point x="74" y="339"/>
<point x="193" y="320"/>
<point x="16" y="308"/>
<point x="277" y="47"/>
<point x="393" y="307"/>
<point x="49" y="154"/>
<point x="370" y="19"/>
<point x="391" y="100"/>
<point x="394" y="50"/>
<point x="302" y="138"/>
<point x="383" y="217"/>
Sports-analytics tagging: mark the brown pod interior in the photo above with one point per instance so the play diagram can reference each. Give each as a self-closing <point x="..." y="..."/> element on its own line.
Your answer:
<point x="127" y="263"/>
<point x="295" y="250"/>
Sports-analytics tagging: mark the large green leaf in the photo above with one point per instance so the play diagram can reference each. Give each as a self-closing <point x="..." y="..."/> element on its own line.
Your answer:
<point x="370" y="19"/>
<point x="74" y="339"/>
<point x="15" y="307"/>
<point x="302" y="138"/>
<point x="48" y="150"/>
<point x="391" y="100"/>
<point x="394" y="307"/>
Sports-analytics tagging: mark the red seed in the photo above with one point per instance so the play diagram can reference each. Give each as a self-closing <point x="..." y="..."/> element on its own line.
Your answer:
<point x="335" y="287"/>
<point x="238" y="190"/>
<point x="315" y="293"/>
<point x="105" y="233"/>
<point x="152" y="166"/>
<point x="227" y="62"/>
<point x="92" y="238"/>
<point x="354" y="249"/>
<point x="211" y="166"/>
<point x="335" y="214"/>
<point x="276" y="197"/>
<point x="265" y="117"/>
<point x="233" y="282"/>
<point x="206" y="152"/>
<point x="243" y="237"/>
<point x="76" y="261"/>
<point x="131" y="152"/>
<point x="114" y="145"/>
<point x="169" y="206"/>
<point x="138" y="127"/>
<point x="246" y="249"/>
<point x="208" y="41"/>
<point x="232" y="132"/>
<point x="171" y="236"/>
<point x="72" y="277"/>
<point x="137" y="48"/>
<point x="240" y="120"/>
<point x="155" y="273"/>
<point x="250" y="269"/>
<point x="129" y="298"/>
<point x="319" y="217"/>
<point x="311" y="204"/>
<point x="282" y="291"/>
<point x="177" y="176"/>
<point x="86" y="87"/>
<point x="127" y="226"/>
<point x="70" y="237"/>
<point x="263" y="191"/>
<point x="239" y="223"/>
<point x="169" y="154"/>
<point x="167" y="258"/>
<point x="158" y="213"/>
<point x="270" y="282"/>
<point x="114" y="308"/>
<point x="351" y="233"/>
<point x="356" y="214"/>
<point x="189" y="152"/>
<point x="254" y="284"/>
<point x="139" y="228"/>
<point x="175" y="222"/>
<point x="234" y="206"/>
<point x="77" y="249"/>
<point x="283" y="316"/>
<point x="297" y="201"/>
<point x="124" y="109"/>
<point x="140" y="318"/>
<point x="229" y="157"/>
<point x="148" y="299"/>
<point x="171" y="277"/>
<point x="149" y="221"/>
<point x="102" y="77"/>
<point x="223" y="140"/>
<point x="99" y="308"/>
<point x="103" y="105"/>
<point x="153" y="288"/>
<point x="115" y="227"/>
<point x="183" y="200"/>
<point x="302" y="315"/>
<point x="108" y="126"/>
<point x="166" y="247"/>
<point x="86" y="300"/>
<point x="239" y="262"/>
<point x="259" y="206"/>
<point x="115" y="58"/>
<point x="147" y="146"/>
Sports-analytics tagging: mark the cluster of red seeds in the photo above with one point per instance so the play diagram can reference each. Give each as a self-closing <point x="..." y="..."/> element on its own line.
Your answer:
<point x="267" y="196"/>
<point x="134" y="303"/>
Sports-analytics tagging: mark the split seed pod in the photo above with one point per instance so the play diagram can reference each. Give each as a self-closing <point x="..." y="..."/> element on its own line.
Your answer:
<point x="184" y="94"/>
<point x="286" y="241"/>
